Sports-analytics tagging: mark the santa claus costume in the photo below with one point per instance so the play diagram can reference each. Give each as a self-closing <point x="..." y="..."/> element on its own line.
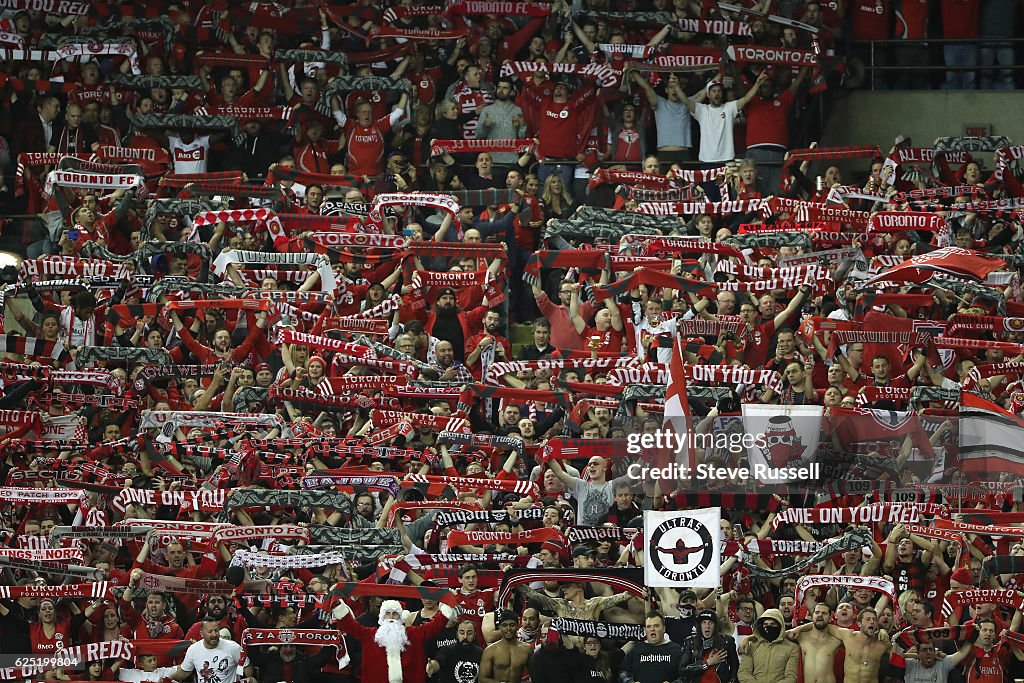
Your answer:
<point x="392" y="652"/>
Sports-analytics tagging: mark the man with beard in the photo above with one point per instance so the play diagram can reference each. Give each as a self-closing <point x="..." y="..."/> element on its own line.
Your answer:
<point x="212" y="659"/>
<point x="153" y="623"/>
<point x="529" y="631"/>
<point x="217" y="608"/>
<point x="459" y="662"/>
<point x="505" y="661"/>
<point x="817" y="646"/>
<point x="502" y="120"/>
<point x="392" y="652"/>
<point x="177" y="566"/>
<point x="716" y="120"/>
<point x="708" y="651"/>
<point x="221" y="350"/>
<point x="365" y="515"/>
<point x="449" y="369"/>
<point x="924" y="666"/>
<point x="864" y="648"/>
<point x="487" y="346"/>
<point x="446" y="322"/>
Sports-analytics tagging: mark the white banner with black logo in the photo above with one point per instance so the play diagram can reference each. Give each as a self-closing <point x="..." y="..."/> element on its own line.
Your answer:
<point x="783" y="443"/>
<point x="683" y="548"/>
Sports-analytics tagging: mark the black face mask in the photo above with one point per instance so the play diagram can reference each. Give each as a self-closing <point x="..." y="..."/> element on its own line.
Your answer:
<point x="686" y="611"/>
<point x="771" y="630"/>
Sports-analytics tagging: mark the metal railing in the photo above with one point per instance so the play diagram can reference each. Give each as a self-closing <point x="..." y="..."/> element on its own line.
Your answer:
<point x="877" y="48"/>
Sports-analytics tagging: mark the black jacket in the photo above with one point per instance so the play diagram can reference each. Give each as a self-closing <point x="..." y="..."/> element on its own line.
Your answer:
<point x="691" y="666"/>
<point x="304" y="669"/>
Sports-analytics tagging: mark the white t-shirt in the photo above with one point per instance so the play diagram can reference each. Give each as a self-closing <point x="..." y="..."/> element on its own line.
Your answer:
<point x="192" y="157"/>
<point x="140" y="676"/>
<point x="219" y="665"/>
<point x="642" y="327"/>
<point x="716" y="125"/>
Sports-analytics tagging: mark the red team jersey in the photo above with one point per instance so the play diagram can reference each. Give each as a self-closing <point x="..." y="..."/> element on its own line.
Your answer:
<point x="366" y="146"/>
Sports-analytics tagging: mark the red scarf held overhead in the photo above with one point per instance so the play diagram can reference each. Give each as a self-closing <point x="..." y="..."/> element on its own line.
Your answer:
<point x="473" y="483"/>
<point x="648" y="181"/>
<point x="900" y="221"/>
<point x="461" y="538"/>
<point x="499" y="7"/>
<point x="422" y="279"/>
<point x="512" y="146"/>
<point x="441" y="423"/>
<point x="693" y="208"/>
<point x="583" y="449"/>
<point x="797" y="156"/>
<point x="983" y="323"/>
<point x="732" y="374"/>
<point x="877" y="513"/>
<point x="645" y="245"/>
<point x="957" y="599"/>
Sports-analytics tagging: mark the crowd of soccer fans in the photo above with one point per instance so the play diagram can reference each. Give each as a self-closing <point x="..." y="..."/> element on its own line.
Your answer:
<point x="337" y="326"/>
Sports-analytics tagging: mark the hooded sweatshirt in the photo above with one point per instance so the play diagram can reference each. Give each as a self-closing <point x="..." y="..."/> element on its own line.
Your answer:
<point x="769" y="659"/>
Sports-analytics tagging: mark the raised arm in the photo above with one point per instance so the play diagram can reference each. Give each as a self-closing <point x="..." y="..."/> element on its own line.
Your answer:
<point x="794" y="305"/>
<point x="578" y="323"/>
<point x="641" y="82"/>
<point x="742" y="102"/>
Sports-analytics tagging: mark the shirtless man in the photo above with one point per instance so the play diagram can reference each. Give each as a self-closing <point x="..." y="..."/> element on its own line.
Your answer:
<point x="505" y="661"/>
<point x="864" y="648"/>
<point x="817" y="646"/>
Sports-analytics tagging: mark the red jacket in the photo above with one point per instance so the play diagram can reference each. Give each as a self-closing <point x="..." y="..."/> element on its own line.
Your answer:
<point x="375" y="661"/>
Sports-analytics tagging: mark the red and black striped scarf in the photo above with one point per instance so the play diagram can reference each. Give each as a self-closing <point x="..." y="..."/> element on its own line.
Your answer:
<point x="796" y="156"/>
<point x="278" y="174"/>
<point x="178" y="181"/>
<point x="648" y="181"/>
<point x="35" y="348"/>
<point x="584" y="449"/>
<point x="471" y="392"/>
<point x="312" y="399"/>
<point x="629" y="580"/>
<point x="591" y="261"/>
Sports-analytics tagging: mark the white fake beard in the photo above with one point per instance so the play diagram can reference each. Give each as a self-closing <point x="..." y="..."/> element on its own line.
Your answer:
<point x="392" y="637"/>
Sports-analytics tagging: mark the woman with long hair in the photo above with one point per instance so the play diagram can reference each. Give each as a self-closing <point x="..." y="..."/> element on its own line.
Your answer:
<point x="108" y="627"/>
<point x="438" y="179"/>
<point x="558" y="203"/>
<point x="446" y="124"/>
<point x="600" y="669"/>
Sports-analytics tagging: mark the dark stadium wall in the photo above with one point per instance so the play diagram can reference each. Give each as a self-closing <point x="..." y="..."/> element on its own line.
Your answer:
<point x="879" y="116"/>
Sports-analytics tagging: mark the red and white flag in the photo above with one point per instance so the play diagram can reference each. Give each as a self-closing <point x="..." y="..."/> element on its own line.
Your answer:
<point x="990" y="439"/>
<point x="677" y="405"/>
<point x="949" y="261"/>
